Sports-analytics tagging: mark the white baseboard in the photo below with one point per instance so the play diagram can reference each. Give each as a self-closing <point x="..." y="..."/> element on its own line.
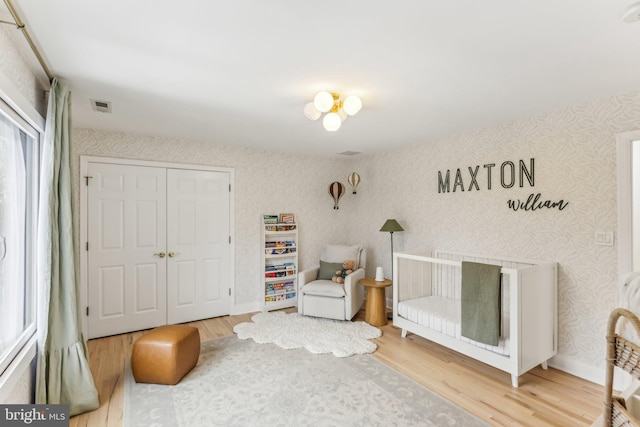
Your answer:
<point x="582" y="370"/>
<point x="621" y="380"/>
<point x="245" y="308"/>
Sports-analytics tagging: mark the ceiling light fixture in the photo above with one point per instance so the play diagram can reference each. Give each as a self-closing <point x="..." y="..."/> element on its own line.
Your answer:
<point x="631" y="13"/>
<point x="336" y="108"/>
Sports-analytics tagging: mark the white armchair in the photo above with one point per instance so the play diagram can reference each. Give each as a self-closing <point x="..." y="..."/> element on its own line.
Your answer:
<point x="320" y="297"/>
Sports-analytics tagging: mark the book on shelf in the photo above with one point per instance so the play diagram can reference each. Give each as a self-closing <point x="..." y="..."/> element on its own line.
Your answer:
<point x="280" y="288"/>
<point x="280" y="267"/>
<point x="273" y="274"/>
<point x="279" y="251"/>
<point x="287" y="218"/>
<point x="270" y="219"/>
<point x="280" y="244"/>
<point x="283" y="218"/>
<point x="280" y="227"/>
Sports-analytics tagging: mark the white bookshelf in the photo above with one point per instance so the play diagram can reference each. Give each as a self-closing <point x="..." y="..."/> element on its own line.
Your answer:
<point x="279" y="262"/>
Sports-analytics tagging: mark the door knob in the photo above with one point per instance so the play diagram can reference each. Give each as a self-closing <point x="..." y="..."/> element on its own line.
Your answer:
<point x="171" y="254"/>
<point x="161" y="254"/>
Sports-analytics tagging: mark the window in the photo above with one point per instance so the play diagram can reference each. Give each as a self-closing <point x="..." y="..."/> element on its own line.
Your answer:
<point x="20" y="147"/>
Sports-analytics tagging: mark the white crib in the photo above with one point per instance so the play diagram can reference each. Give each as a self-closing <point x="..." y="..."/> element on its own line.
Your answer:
<point x="426" y="301"/>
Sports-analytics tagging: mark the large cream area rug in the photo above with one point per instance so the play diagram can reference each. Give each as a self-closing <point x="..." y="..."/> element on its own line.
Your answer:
<point x="342" y="338"/>
<point x="241" y="383"/>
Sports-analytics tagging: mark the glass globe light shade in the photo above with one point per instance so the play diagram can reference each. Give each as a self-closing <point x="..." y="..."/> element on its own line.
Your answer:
<point x="323" y="101"/>
<point x="332" y="122"/>
<point x="311" y="112"/>
<point x="352" y="105"/>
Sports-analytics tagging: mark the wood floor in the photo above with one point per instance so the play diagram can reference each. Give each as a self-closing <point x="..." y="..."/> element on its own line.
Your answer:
<point x="544" y="398"/>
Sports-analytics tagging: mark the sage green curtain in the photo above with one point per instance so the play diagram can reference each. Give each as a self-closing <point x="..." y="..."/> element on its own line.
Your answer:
<point x="63" y="375"/>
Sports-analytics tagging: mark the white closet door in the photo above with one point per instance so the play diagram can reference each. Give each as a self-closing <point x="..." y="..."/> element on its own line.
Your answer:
<point x="198" y="270"/>
<point x="127" y="239"/>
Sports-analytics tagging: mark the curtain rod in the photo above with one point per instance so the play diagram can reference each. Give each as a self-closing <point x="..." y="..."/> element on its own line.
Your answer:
<point x="22" y="28"/>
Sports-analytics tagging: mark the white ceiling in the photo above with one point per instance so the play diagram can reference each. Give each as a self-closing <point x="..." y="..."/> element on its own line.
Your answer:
<point x="240" y="72"/>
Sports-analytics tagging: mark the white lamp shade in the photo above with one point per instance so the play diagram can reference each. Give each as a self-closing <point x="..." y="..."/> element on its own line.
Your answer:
<point x="331" y="122"/>
<point x="352" y="105"/>
<point x="323" y="101"/>
<point x="311" y="112"/>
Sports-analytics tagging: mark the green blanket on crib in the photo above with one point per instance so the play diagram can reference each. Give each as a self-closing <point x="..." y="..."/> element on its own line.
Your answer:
<point x="480" y="305"/>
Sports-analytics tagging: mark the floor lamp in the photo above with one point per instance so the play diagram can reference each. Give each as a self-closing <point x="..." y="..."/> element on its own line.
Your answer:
<point x="390" y="226"/>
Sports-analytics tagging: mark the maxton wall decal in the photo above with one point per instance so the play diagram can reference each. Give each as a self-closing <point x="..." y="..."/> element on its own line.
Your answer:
<point x="474" y="178"/>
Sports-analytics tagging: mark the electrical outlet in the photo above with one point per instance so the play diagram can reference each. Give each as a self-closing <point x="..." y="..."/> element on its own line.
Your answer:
<point x="604" y="238"/>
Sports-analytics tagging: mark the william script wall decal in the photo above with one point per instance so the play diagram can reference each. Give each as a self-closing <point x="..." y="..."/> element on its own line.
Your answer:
<point x="533" y="203"/>
<point x="473" y="178"/>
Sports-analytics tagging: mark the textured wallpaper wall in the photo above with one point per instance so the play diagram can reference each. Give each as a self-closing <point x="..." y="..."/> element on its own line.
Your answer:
<point x="575" y="161"/>
<point x="18" y="69"/>
<point x="265" y="182"/>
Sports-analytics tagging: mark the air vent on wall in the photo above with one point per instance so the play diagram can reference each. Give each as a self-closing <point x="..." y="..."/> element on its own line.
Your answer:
<point x="101" y="106"/>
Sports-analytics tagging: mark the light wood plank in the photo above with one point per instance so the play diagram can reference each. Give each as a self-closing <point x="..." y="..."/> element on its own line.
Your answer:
<point x="544" y="398"/>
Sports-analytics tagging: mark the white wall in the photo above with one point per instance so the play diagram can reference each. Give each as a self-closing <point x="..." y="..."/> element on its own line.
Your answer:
<point x="575" y="160"/>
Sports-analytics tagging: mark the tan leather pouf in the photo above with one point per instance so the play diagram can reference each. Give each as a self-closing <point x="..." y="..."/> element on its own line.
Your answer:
<point x="166" y="354"/>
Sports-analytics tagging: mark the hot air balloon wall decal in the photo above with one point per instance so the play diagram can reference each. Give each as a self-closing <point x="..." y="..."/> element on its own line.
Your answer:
<point x="336" y="189"/>
<point x="354" y="180"/>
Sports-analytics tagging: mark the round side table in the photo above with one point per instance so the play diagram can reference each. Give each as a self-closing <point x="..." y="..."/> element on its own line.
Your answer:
<point x="375" y="309"/>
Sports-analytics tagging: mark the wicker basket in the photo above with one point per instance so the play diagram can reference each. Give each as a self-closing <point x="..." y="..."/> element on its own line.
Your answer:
<point x="626" y="356"/>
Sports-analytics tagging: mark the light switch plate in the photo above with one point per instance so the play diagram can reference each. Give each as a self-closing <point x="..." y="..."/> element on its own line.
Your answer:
<point x="604" y="238"/>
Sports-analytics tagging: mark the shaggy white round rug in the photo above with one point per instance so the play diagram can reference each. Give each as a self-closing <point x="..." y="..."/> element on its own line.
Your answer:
<point x="343" y="338"/>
